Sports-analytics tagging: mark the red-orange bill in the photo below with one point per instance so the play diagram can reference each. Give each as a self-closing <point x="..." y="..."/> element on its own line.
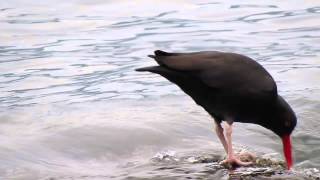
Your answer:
<point x="287" y="150"/>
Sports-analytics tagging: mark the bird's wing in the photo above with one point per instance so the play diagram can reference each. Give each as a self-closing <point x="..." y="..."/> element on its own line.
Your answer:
<point x="229" y="72"/>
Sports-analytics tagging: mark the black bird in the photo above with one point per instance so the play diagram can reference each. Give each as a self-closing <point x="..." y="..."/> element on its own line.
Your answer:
<point x="231" y="88"/>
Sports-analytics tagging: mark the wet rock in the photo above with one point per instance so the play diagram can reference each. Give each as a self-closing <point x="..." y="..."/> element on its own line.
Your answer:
<point x="201" y="165"/>
<point x="251" y="173"/>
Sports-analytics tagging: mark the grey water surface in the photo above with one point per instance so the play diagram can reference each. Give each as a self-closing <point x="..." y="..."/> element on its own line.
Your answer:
<point x="72" y="106"/>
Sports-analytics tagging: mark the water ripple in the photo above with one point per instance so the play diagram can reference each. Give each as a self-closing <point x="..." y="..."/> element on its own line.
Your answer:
<point x="55" y="57"/>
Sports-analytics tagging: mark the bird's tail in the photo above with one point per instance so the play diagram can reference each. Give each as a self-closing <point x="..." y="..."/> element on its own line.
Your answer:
<point x="158" y="54"/>
<point x="154" y="69"/>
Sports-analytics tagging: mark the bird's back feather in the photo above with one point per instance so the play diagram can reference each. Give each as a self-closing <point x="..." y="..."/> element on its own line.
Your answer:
<point x="229" y="72"/>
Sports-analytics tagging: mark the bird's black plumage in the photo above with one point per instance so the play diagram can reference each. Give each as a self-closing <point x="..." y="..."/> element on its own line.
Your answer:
<point x="227" y="85"/>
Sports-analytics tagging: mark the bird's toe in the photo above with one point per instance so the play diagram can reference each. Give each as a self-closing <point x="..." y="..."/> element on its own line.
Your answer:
<point x="235" y="162"/>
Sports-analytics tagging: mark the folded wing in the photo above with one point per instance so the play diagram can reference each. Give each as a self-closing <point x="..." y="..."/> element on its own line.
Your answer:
<point x="234" y="73"/>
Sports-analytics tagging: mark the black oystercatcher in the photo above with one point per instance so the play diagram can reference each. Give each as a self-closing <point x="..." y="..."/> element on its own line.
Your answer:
<point x="231" y="88"/>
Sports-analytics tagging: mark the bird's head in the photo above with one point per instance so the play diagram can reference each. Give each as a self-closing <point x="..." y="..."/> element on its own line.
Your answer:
<point x="283" y="123"/>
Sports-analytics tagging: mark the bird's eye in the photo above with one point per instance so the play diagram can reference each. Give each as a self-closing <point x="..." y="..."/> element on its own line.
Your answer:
<point x="287" y="123"/>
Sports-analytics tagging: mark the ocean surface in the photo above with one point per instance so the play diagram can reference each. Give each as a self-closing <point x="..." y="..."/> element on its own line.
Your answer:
<point x="72" y="106"/>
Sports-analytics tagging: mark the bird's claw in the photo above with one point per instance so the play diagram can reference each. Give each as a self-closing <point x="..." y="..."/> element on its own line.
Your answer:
<point x="234" y="162"/>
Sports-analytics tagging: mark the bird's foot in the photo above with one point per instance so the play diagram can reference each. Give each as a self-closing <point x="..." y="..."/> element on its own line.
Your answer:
<point x="231" y="162"/>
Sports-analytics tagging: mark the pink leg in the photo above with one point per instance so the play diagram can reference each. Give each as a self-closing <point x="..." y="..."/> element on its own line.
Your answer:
<point x="230" y="153"/>
<point x="219" y="131"/>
